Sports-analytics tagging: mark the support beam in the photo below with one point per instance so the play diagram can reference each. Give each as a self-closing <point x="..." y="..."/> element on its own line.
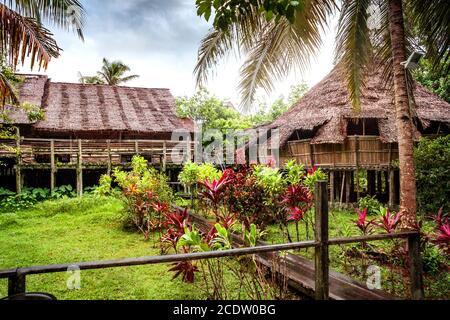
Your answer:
<point x="358" y="191"/>
<point x="332" y="192"/>
<point x="108" y="146"/>
<point x="371" y="182"/>
<point x="391" y="188"/>
<point x="18" y="162"/>
<point x="79" y="169"/>
<point x="379" y="183"/>
<point x="52" y="166"/>
<point x="348" y="184"/>
<point x="164" y="159"/>
<point x="342" y="187"/>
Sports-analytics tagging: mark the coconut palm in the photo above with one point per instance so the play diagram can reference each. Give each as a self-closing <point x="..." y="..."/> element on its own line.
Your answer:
<point x="23" y="35"/>
<point x="112" y="73"/>
<point x="275" y="46"/>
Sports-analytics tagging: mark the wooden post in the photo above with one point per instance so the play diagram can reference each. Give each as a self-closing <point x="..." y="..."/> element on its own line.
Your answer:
<point x="311" y="154"/>
<point x="332" y="192"/>
<point x="18" y="162"/>
<point x="16" y="284"/>
<point x="348" y="175"/>
<point x="415" y="267"/>
<point x="164" y="159"/>
<point x="108" y="146"/>
<point x="321" y="236"/>
<point x="342" y="187"/>
<point x="79" y="170"/>
<point x="371" y="182"/>
<point x="379" y="183"/>
<point x="188" y="145"/>
<point x="52" y="166"/>
<point x="358" y="192"/>
<point x="391" y="188"/>
<point x="136" y="147"/>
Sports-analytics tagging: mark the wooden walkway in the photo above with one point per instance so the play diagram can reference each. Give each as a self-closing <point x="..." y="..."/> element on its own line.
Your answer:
<point x="300" y="274"/>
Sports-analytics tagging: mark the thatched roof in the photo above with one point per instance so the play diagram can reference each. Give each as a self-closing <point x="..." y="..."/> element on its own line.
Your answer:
<point x="85" y="108"/>
<point x="326" y="108"/>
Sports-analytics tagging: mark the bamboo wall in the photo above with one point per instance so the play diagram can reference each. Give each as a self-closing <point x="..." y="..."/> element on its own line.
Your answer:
<point x="357" y="152"/>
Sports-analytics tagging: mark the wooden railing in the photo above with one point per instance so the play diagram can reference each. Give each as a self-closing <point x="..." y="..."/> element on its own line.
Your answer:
<point x="355" y="152"/>
<point x="17" y="277"/>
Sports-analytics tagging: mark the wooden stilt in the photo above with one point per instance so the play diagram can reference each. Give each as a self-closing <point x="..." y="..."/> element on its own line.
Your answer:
<point x="52" y="166"/>
<point x="342" y="188"/>
<point x="108" y="146"/>
<point x="391" y="188"/>
<point x="371" y="182"/>
<point x="19" y="181"/>
<point x="164" y="159"/>
<point x="79" y="170"/>
<point x="332" y="192"/>
<point x="347" y="186"/>
<point x="379" y="183"/>
<point x="358" y="192"/>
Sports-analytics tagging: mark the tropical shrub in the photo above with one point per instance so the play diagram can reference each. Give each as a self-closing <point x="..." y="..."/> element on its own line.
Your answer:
<point x="371" y="204"/>
<point x="432" y="172"/>
<point x="143" y="188"/>
<point x="194" y="173"/>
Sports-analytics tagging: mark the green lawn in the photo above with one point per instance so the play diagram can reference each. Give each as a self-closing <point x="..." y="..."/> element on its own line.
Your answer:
<point x="75" y="230"/>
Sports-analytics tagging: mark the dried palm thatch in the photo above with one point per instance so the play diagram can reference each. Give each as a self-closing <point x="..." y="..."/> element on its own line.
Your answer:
<point x="72" y="108"/>
<point x="327" y="108"/>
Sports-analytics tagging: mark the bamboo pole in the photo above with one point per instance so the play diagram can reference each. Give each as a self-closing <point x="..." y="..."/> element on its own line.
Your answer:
<point x="52" y="166"/>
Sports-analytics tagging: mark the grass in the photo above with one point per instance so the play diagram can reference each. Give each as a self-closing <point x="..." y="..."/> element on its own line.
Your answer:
<point x="74" y="230"/>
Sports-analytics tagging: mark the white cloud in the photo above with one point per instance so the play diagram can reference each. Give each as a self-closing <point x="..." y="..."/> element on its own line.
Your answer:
<point x="159" y="39"/>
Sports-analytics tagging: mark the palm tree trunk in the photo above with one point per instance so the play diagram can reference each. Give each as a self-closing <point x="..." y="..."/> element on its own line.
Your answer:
<point x="403" y="115"/>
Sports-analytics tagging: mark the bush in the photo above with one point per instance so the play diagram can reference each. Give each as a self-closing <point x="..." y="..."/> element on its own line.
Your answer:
<point x="194" y="173"/>
<point x="432" y="172"/>
<point x="432" y="259"/>
<point x="371" y="204"/>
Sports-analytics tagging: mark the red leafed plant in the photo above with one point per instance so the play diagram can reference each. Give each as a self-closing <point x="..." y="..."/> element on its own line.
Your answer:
<point x="389" y="221"/>
<point x="215" y="188"/>
<point x="185" y="268"/>
<point x="443" y="231"/>
<point x="362" y="223"/>
<point x="312" y="170"/>
<point x="295" y="214"/>
<point x="175" y="222"/>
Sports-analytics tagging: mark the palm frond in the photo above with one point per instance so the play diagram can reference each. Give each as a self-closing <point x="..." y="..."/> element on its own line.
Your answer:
<point x="65" y="14"/>
<point x="353" y="46"/>
<point x="432" y="20"/>
<point x="23" y="37"/>
<point x="129" y="78"/>
<point x="283" y="46"/>
<point x="7" y="92"/>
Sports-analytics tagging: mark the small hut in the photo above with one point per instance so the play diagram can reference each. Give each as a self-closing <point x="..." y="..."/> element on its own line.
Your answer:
<point x="89" y="128"/>
<point x="322" y="130"/>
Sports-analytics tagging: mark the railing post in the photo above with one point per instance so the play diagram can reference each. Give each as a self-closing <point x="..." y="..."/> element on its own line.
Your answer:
<point x="16" y="284"/>
<point x="19" y="162"/>
<point x="321" y="236"/>
<point x="415" y="267"/>
<point x="108" y="147"/>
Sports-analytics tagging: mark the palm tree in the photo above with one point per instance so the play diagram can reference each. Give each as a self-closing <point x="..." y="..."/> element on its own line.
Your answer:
<point x="112" y="73"/>
<point x="23" y="35"/>
<point x="275" y="46"/>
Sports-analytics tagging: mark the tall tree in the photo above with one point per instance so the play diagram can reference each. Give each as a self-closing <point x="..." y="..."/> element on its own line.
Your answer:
<point x="112" y="73"/>
<point x="277" y="35"/>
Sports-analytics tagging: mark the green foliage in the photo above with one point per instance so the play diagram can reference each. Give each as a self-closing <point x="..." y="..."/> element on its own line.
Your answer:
<point x="227" y="12"/>
<point x="436" y="82"/>
<point x="211" y="111"/>
<point x="314" y="176"/>
<point x="271" y="179"/>
<point x="193" y="173"/>
<point x="432" y="259"/>
<point x="294" y="173"/>
<point x="10" y="201"/>
<point x="432" y="174"/>
<point x="371" y="203"/>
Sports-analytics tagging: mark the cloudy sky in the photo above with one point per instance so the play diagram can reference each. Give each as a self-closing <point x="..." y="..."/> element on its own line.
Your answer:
<point x="159" y="39"/>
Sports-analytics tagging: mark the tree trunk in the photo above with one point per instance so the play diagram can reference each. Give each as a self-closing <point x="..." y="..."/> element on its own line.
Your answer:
<point x="403" y="116"/>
